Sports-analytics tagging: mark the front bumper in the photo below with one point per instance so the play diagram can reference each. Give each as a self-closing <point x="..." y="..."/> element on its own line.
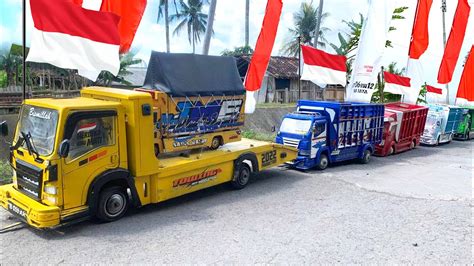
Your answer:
<point x="36" y="214"/>
<point x="427" y="140"/>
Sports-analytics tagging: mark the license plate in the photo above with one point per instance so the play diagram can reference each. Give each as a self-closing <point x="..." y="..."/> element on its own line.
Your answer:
<point x="17" y="211"/>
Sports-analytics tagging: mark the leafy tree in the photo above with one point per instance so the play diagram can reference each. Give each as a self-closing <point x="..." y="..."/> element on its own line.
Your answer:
<point x="238" y="51"/>
<point x="190" y="17"/>
<point x="305" y="24"/>
<point x="10" y="63"/>
<point x="106" y="78"/>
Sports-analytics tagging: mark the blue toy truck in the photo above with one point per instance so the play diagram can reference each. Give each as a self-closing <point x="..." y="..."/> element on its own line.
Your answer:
<point x="327" y="132"/>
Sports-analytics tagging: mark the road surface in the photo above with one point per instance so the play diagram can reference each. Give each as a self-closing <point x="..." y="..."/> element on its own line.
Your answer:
<point x="414" y="207"/>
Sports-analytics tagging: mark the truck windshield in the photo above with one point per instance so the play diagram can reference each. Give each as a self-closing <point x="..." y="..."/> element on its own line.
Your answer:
<point x="431" y="121"/>
<point x="295" y="126"/>
<point x="41" y="124"/>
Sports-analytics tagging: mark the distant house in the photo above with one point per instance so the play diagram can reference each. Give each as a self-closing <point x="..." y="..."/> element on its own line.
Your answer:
<point x="280" y="84"/>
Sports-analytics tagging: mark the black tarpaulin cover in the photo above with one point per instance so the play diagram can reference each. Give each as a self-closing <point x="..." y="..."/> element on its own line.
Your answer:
<point x="193" y="75"/>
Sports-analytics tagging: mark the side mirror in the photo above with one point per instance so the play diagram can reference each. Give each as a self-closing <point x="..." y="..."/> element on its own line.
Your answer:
<point x="64" y="148"/>
<point x="4" y="129"/>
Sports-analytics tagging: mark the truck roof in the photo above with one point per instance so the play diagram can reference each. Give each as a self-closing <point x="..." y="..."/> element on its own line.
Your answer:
<point x="404" y="106"/>
<point x="115" y="93"/>
<point x="333" y="104"/>
<point x="78" y="102"/>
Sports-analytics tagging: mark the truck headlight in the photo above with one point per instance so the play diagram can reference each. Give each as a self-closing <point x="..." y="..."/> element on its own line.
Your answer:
<point x="305" y="152"/>
<point x="50" y="199"/>
<point x="51" y="190"/>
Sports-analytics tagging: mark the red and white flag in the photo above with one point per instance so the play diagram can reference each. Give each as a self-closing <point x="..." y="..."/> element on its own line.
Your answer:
<point x="435" y="95"/>
<point x="466" y="85"/>
<point x="418" y="45"/>
<point x="322" y="68"/>
<point x="68" y="36"/>
<point x="396" y="84"/>
<point x="454" y="44"/>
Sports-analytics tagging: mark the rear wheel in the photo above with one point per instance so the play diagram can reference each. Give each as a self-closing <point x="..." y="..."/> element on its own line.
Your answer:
<point x="323" y="162"/>
<point x="413" y="144"/>
<point x="113" y="204"/>
<point x="391" y="151"/>
<point x="366" y="157"/>
<point x="216" y="143"/>
<point x="242" y="177"/>
<point x="437" y="141"/>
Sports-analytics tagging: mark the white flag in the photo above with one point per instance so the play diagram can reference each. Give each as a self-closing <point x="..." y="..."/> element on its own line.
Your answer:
<point x="371" y="48"/>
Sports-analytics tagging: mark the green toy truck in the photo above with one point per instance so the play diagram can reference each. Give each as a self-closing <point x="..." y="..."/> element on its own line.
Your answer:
<point x="466" y="127"/>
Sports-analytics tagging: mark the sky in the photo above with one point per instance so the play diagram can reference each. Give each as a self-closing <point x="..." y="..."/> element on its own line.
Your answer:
<point x="229" y="30"/>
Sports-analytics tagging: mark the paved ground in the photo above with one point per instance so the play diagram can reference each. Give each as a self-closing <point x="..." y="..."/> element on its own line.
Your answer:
<point x="410" y="208"/>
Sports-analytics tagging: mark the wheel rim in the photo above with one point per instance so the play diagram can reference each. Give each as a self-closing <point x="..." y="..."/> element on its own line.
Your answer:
<point x="367" y="156"/>
<point x="244" y="176"/>
<point x="391" y="151"/>
<point x="215" y="143"/>
<point x="412" y="146"/>
<point x="115" y="205"/>
<point x="324" y="162"/>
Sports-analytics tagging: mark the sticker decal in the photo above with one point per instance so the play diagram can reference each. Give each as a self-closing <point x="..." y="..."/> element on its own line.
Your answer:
<point x="198" y="179"/>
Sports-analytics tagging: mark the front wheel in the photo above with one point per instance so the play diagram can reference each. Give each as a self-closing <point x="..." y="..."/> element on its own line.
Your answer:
<point x="242" y="177"/>
<point x="323" y="162"/>
<point x="216" y="143"/>
<point x="113" y="204"/>
<point x="366" y="157"/>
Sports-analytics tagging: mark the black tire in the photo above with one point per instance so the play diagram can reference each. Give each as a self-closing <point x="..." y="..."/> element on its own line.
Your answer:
<point x="113" y="204"/>
<point x="366" y="157"/>
<point x="437" y="141"/>
<point x="323" y="162"/>
<point x="215" y="143"/>
<point x="241" y="177"/>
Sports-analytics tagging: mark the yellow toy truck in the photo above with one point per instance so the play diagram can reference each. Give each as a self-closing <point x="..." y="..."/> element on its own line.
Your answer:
<point x="93" y="156"/>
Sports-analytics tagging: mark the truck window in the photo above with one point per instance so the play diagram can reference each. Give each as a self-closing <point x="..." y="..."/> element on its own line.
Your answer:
<point x="318" y="129"/>
<point x="91" y="134"/>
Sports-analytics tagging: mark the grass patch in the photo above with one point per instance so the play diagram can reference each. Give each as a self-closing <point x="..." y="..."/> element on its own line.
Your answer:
<point x="276" y="105"/>
<point x="249" y="134"/>
<point x="5" y="173"/>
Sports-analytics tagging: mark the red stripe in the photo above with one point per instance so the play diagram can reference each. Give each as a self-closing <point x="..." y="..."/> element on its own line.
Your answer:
<point x="420" y="35"/>
<point x="466" y="85"/>
<point x="316" y="57"/>
<point x="63" y="16"/>
<point x="454" y="44"/>
<point x="263" y="48"/>
<point x="433" y="89"/>
<point x="396" y="79"/>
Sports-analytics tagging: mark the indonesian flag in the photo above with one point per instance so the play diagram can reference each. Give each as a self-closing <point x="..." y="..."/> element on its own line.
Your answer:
<point x="87" y="127"/>
<point x="454" y="44"/>
<point x="322" y="68"/>
<point x="263" y="50"/>
<point x="434" y="95"/>
<point x="466" y="85"/>
<point x="395" y="84"/>
<point x="68" y="36"/>
<point x="418" y="45"/>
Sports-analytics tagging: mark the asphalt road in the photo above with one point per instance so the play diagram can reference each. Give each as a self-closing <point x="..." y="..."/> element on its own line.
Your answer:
<point x="410" y="208"/>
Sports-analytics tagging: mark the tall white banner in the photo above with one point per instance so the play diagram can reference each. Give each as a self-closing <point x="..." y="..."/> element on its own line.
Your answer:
<point x="370" y="51"/>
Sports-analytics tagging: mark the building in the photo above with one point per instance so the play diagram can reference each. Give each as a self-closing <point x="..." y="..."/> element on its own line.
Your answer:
<point x="281" y="82"/>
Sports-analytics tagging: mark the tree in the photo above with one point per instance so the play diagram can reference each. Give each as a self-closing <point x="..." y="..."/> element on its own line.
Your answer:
<point x="305" y="24"/>
<point x="106" y="78"/>
<point x="10" y="63"/>
<point x="238" y="51"/>
<point x="190" y="17"/>
<point x="387" y="97"/>
<point x="164" y="9"/>
<point x="209" y="28"/>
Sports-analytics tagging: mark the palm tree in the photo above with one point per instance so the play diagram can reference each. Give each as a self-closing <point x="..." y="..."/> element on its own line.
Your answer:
<point x="305" y="24"/>
<point x="209" y="28"/>
<point x="190" y="16"/>
<point x="164" y="8"/>
<point x="106" y="78"/>
<point x="247" y="18"/>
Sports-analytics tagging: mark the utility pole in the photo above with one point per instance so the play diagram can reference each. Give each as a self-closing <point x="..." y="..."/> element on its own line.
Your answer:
<point x="444" y="9"/>
<point x="24" y="49"/>
<point x="299" y="67"/>
<point x="318" y="23"/>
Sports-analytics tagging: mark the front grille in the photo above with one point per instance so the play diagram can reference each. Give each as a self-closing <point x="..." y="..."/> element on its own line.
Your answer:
<point x="291" y="142"/>
<point x="29" y="179"/>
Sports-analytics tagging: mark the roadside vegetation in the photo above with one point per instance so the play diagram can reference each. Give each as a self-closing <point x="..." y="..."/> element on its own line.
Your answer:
<point x="250" y="134"/>
<point x="5" y="173"/>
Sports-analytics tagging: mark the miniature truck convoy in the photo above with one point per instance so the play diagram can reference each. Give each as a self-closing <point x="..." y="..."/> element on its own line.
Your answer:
<point x="466" y="127"/>
<point x="441" y="124"/>
<point x="403" y="127"/>
<point x="328" y="132"/>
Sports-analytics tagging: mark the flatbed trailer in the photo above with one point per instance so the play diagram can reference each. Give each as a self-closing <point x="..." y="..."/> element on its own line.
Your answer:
<point x="93" y="156"/>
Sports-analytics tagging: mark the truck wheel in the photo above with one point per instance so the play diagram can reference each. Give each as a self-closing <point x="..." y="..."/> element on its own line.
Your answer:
<point x="366" y="157"/>
<point x="391" y="151"/>
<point x="113" y="204"/>
<point x="323" y="162"/>
<point x="216" y="143"/>
<point x="437" y="141"/>
<point x="413" y="145"/>
<point x="242" y="178"/>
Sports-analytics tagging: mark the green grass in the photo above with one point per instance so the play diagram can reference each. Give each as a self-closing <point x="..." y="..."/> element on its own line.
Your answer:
<point x="249" y="134"/>
<point x="275" y="105"/>
<point x="5" y="173"/>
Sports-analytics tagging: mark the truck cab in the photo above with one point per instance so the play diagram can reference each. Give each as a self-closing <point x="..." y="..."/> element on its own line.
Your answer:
<point x="465" y="130"/>
<point x="441" y="124"/>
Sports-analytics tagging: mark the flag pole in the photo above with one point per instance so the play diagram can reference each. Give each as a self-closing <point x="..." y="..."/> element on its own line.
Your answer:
<point x="299" y="67"/>
<point x="24" y="48"/>
<point x="381" y="88"/>
<point x="444" y="9"/>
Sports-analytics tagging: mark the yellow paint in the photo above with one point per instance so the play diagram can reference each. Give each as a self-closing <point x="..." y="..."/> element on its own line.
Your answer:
<point x="156" y="179"/>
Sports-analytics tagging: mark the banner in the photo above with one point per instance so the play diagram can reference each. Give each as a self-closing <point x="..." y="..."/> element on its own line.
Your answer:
<point x="466" y="85"/>
<point x="370" y="51"/>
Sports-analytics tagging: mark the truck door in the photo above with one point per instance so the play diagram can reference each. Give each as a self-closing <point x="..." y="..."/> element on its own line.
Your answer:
<point x="93" y="149"/>
<point x="318" y="139"/>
